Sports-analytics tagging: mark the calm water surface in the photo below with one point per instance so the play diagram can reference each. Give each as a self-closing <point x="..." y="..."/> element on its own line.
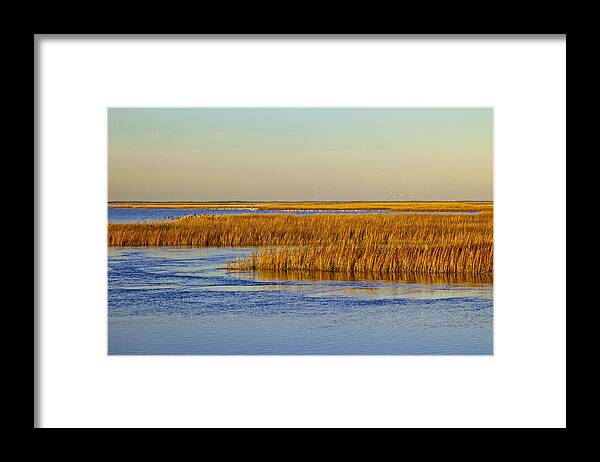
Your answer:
<point x="128" y="215"/>
<point x="175" y="300"/>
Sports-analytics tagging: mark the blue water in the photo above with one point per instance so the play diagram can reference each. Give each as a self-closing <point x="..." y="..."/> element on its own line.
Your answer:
<point x="128" y="215"/>
<point x="171" y="300"/>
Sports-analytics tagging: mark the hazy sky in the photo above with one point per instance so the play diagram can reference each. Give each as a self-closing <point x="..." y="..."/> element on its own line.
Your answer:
<point x="300" y="154"/>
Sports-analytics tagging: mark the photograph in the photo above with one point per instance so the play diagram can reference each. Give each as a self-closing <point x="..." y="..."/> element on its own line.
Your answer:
<point x="300" y="230"/>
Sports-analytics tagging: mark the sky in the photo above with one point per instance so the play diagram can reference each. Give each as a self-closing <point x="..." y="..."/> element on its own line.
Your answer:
<point x="295" y="154"/>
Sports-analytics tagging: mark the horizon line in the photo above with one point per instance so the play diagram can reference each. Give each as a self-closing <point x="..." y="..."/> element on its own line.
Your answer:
<point x="281" y="201"/>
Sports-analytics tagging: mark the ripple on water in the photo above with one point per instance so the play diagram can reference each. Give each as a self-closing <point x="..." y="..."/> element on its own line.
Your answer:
<point x="183" y="301"/>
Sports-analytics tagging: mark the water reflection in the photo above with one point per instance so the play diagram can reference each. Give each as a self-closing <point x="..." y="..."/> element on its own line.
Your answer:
<point x="437" y="279"/>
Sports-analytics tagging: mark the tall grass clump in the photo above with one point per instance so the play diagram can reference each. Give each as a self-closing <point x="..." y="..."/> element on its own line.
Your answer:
<point x="370" y="243"/>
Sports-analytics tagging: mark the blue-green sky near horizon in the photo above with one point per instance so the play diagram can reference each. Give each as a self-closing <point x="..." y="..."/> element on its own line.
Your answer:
<point x="295" y="154"/>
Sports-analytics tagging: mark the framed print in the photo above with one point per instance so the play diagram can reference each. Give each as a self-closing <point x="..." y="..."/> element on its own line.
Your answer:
<point x="288" y="232"/>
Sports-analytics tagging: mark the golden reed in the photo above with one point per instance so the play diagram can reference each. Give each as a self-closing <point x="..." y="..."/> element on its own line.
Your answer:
<point x="370" y="243"/>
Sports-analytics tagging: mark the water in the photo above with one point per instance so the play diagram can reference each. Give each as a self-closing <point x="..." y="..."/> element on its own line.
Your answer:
<point x="178" y="300"/>
<point x="128" y="215"/>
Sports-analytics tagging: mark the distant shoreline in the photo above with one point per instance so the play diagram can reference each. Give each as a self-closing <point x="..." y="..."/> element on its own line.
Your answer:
<point x="475" y="206"/>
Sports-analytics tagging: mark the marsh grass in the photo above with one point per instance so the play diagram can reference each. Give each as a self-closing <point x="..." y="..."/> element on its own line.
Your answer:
<point x="370" y="243"/>
<point x="373" y="259"/>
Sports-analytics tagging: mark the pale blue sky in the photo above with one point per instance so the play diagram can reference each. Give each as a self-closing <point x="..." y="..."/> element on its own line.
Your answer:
<point x="300" y="154"/>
